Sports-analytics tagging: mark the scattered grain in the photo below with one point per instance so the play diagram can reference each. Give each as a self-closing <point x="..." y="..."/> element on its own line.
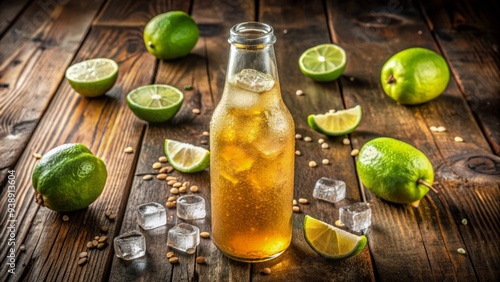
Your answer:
<point x="200" y="260"/>
<point x="170" y="254"/>
<point x="170" y="205"/>
<point x="112" y="217"/>
<point x="22" y="248"/>
<point x="307" y="139"/>
<point x="204" y="142"/>
<point x="285" y="31"/>
<point x="419" y="32"/>
<point x="459" y="139"/>
<point x="294" y="202"/>
<point x="461" y="251"/>
<point x="346" y="141"/>
<point x="171" y="178"/>
<point x="174" y="191"/>
<point x="65" y="218"/>
<point x="162" y="159"/>
<point x="303" y="201"/>
<point x="169" y="169"/>
<point x="194" y="189"/>
<point x="161" y="176"/>
<point x="299" y="92"/>
<point x="129" y="150"/>
<point x="204" y="234"/>
<point x="82" y="261"/>
<point x="298" y="153"/>
<point x="101" y="246"/>
<point x="177" y="185"/>
<point x="163" y="170"/>
<point x="157" y="165"/>
<point x="298" y="136"/>
<point x="266" y="271"/>
<point x="186" y="183"/>
<point x="339" y="223"/>
<point x="102" y="239"/>
<point x="331" y="111"/>
<point x="108" y="213"/>
<point x="147" y="177"/>
<point x="173" y="260"/>
<point x="351" y="78"/>
<point x="196" y="111"/>
<point x="182" y="189"/>
<point x="37" y="156"/>
<point x="354" y="152"/>
<point x="83" y="254"/>
<point x="95" y="243"/>
<point x="172" y="182"/>
<point x="90" y="245"/>
<point x="321" y="140"/>
<point x="205" y="133"/>
<point x="433" y="128"/>
<point x="96" y="237"/>
<point x="325" y="161"/>
<point x="325" y="146"/>
<point x="464" y="221"/>
<point x="296" y="209"/>
<point x="312" y="164"/>
<point x="104" y="229"/>
<point x="441" y="129"/>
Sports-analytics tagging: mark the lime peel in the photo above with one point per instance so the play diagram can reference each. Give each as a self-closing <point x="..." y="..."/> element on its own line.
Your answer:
<point x="185" y="157"/>
<point x="331" y="242"/>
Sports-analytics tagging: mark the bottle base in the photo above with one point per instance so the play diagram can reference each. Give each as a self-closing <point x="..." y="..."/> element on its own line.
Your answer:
<point x="250" y="260"/>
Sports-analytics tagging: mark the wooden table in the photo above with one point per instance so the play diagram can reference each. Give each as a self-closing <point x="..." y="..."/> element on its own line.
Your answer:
<point x="39" y="111"/>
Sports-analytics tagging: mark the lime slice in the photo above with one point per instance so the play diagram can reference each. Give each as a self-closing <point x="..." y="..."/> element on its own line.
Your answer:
<point x="324" y="62"/>
<point x="186" y="157"/>
<point x="338" y="123"/>
<point x="331" y="242"/>
<point x="155" y="102"/>
<point x="94" y="77"/>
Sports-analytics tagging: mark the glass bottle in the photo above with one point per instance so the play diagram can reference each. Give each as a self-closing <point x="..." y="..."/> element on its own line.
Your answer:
<point x="252" y="148"/>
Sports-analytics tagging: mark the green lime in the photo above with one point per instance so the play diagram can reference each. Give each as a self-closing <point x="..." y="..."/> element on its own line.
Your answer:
<point x="69" y="178"/>
<point x="338" y="123"/>
<point x="155" y="102"/>
<point x="330" y="241"/>
<point x="324" y="62"/>
<point x="394" y="170"/>
<point x="186" y="157"/>
<point x="93" y="77"/>
<point x="171" y="35"/>
<point x="414" y="76"/>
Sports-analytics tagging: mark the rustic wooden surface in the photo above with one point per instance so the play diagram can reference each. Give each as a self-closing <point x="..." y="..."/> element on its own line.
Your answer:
<point x="39" y="110"/>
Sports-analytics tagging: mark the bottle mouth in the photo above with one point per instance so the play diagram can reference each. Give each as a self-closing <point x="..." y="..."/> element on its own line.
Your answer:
<point x="251" y="34"/>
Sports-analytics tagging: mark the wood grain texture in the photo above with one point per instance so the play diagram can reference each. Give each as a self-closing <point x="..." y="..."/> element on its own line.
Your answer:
<point x="427" y="238"/>
<point x="9" y="10"/>
<point x="106" y="126"/>
<point x="34" y="53"/>
<point x="136" y="13"/>
<point x="467" y="32"/>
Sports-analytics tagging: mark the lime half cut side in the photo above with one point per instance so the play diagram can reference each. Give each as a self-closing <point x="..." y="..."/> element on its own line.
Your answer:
<point x="338" y="123"/>
<point x="93" y="77"/>
<point x="155" y="102"/>
<point x="325" y="62"/>
<point x="185" y="157"/>
<point x="331" y="242"/>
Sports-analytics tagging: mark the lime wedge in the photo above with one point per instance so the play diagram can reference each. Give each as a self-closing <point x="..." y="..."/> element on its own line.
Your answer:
<point x="186" y="157"/>
<point x="331" y="242"/>
<point x="338" y="123"/>
<point x="155" y="102"/>
<point x="325" y="62"/>
<point x="93" y="77"/>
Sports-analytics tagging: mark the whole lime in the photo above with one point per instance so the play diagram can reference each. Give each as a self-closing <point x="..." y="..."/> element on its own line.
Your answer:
<point x="171" y="35"/>
<point x="69" y="178"/>
<point x="414" y="76"/>
<point x="394" y="170"/>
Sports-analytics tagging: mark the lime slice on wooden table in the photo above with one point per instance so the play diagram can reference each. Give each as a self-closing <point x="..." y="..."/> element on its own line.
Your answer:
<point x="331" y="242"/>
<point x="186" y="157"/>
<point x="325" y="62"/>
<point x="338" y="123"/>
<point x="93" y="77"/>
<point x="155" y="102"/>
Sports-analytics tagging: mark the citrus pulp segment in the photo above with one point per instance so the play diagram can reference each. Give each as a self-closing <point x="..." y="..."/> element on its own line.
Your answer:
<point x="156" y="102"/>
<point x="186" y="157"/>
<point x="324" y="62"/>
<point x="331" y="242"/>
<point x="92" y="78"/>
<point x="338" y="123"/>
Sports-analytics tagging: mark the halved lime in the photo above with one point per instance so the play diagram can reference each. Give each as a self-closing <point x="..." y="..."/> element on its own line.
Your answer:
<point x="330" y="241"/>
<point x="186" y="157"/>
<point x="338" y="123"/>
<point x="93" y="77"/>
<point x="155" y="102"/>
<point x="325" y="62"/>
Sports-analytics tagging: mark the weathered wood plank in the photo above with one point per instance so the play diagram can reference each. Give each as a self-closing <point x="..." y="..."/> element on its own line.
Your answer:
<point x="136" y="13"/>
<point x="106" y="126"/>
<point x="34" y="54"/>
<point x="427" y="238"/>
<point x="9" y="10"/>
<point x="467" y="32"/>
<point x="308" y="28"/>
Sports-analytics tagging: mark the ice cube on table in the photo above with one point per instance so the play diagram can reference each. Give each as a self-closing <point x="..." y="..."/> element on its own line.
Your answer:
<point x="151" y="215"/>
<point x="191" y="207"/>
<point x="130" y="245"/>
<point x="330" y="190"/>
<point x="356" y="216"/>
<point x="184" y="237"/>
